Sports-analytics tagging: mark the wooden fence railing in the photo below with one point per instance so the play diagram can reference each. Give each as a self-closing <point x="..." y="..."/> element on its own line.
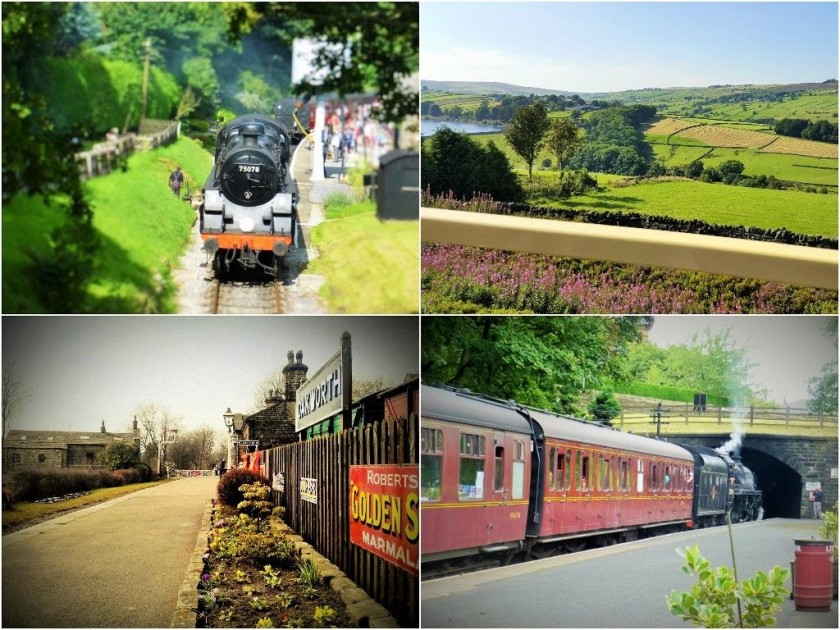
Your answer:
<point x="316" y="496"/>
<point x="104" y="157"/>
<point x="687" y="413"/>
<point x="802" y="266"/>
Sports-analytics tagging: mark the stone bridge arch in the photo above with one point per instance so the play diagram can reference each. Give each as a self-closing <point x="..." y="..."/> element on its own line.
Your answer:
<point x="784" y="466"/>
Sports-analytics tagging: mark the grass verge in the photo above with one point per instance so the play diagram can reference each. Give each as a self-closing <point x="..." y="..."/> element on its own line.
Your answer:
<point x="371" y="265"/>
<point x="142" y="226"/>
<point x="28" y="513"/>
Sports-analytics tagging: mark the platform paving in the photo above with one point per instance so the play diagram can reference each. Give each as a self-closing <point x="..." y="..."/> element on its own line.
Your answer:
<point x="624" y="586"/>
<point x="118" y="564"/>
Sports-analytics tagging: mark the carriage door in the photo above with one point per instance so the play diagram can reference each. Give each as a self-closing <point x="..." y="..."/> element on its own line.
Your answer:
<point x="502" y="506"/>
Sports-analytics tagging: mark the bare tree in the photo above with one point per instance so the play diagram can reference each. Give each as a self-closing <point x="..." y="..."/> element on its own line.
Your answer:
<point x="152" y="419"/>
<point x="366" y="387"/>
<point x="272" y="385"/>
<point x="14" y="396"/>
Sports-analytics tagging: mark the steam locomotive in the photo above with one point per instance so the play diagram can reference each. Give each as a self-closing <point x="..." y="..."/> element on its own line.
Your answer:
<point x="503" y="482"/>
<point x="248" y="213"/>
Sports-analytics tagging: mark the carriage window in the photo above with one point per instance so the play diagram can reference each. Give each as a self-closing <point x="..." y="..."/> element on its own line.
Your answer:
<point x="561" y="468"/>
<point x="518" y="480"/>
<point x="551" y="468"/>
<point x="604" y="472"/>
<point x="653" y="477"/>
<point x="499" y="470"/>
<point x="431" y="460"/>
<point x="569" y="471"/>
<point x="667" y="477"/>
<point x="471" y="476"/>
<point x="585" y="473"/>
<point x="625" y="482"/>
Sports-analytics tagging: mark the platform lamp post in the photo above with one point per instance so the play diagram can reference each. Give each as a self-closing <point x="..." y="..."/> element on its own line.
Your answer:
<point x="234" y="423"/>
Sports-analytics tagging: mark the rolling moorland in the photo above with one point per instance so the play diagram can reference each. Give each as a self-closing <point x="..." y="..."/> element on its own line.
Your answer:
<point x="711" y="126"/>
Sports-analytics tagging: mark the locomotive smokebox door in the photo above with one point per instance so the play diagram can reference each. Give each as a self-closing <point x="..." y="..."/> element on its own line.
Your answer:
<point x="398" y="186"/>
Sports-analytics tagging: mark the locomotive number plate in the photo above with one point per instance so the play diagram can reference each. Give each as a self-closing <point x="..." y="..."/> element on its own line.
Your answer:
<point x="248" y="169"/>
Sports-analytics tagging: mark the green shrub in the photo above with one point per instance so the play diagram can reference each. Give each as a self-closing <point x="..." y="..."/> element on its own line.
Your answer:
<point x="228" y="489"/>
<point x="717" y="600"/>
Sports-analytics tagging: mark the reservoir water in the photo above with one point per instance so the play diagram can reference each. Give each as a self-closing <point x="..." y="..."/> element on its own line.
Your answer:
<point x="429" y="127"/>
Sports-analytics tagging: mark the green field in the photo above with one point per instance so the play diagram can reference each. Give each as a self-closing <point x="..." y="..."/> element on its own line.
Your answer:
<point x="797" y="211"/>
<point x="794" y="168"/>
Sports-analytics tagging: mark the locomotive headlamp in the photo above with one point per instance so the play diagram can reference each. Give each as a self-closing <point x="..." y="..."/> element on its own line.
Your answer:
<point x="246" y="224"/>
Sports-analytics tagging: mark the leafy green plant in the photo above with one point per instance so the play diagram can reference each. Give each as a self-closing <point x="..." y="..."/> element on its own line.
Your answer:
<point x="285" y="600"/>
<point x="265" y="622"/>
<point x="228" y="490"/>
<point x="828" y="529"/>
<point x="310" y="575"/>
<point x="241" y="577"/>
<point x="255" y="502"/>
<point x="716" y="599"/>
<point x="272" y="576"/>
<point x="323" y="615"/>
<point x="258" y="603"/>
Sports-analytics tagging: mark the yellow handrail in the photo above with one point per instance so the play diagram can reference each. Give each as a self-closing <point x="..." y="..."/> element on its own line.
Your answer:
<point x="802" y="266"/>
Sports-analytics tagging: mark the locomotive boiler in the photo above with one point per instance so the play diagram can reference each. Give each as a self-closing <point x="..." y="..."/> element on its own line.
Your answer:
<point x="248" y="214"/>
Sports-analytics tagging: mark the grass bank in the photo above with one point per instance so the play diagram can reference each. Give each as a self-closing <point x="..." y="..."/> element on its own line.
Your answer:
<point x="29" y="513"/>
<point x="143" y="229"/>
<point x="371" y="265"/>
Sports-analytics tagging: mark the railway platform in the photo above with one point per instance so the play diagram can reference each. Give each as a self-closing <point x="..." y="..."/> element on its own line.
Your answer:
<point x="620" y="586"/>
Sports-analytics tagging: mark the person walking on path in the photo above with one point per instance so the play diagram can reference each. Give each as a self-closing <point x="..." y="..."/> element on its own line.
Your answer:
<point x="176" y="178"/>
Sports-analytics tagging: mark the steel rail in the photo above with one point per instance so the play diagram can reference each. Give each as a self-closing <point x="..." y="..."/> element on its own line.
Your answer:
<point x="775" y="262"/>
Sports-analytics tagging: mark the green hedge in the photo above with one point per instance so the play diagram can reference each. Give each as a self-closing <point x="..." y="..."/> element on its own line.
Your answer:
<point x="666" y="392"/>
<point x="99" y="94"/>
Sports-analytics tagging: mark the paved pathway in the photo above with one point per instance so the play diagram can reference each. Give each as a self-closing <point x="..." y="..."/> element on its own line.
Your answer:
<point x="623" y="586"/>
<point x="114" y="565"/>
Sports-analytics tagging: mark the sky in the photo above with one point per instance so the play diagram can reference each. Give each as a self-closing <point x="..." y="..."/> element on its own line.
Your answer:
<point x="82" y="370"/>
<point x="787" y="349"/>
<point x="613" y="46"/>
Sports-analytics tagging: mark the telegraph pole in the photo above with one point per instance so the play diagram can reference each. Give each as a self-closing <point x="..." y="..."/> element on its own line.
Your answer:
<point x="148" y="46"/>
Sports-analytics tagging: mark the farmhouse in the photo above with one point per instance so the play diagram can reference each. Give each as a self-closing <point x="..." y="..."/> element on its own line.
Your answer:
<point x="60" y="449"/>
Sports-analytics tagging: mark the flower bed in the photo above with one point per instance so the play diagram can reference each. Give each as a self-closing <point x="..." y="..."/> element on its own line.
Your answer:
<point x="254" y="577"/>
<point x="459" y="279"/>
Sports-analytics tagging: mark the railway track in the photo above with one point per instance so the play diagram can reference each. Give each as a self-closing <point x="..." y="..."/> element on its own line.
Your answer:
<point x="230" y="297"/>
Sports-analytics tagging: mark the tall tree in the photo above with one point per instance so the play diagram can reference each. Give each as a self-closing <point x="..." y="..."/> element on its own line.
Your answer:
<point x="563" y="140"/>
<point x="39" y="159"/>
<point x="370" y="45"/>
<point x="541" y="361"/>
<point x="526" y="132"/>
<point x="822" y="389"/>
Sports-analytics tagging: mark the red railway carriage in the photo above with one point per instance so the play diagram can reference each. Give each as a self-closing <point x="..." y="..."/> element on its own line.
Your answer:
<point x="593" y="479"/>
<point x="476" y="475"/>
<point x="500" y="480"/>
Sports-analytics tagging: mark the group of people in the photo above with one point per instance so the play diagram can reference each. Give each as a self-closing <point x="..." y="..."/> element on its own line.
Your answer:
<point x="220" y="468"/>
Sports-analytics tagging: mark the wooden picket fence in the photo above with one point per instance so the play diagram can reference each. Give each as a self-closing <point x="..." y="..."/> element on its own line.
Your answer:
<point x="326" y="523"/>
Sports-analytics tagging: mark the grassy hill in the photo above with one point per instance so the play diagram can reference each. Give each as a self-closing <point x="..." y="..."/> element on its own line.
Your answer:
<point x="486" y="88"/>
<point x="142" y="226"/>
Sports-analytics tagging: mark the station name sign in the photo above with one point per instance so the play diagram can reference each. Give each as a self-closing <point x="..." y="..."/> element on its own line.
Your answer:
<point x="384" y="512"/>
<point x="324" y="395"/>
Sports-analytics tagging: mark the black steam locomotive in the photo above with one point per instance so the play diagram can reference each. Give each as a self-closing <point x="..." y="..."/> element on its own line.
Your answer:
<point x="248" y="214"/>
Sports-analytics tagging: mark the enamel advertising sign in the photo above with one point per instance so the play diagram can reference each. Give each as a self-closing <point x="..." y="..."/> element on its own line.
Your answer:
<point x="384" y="512"/>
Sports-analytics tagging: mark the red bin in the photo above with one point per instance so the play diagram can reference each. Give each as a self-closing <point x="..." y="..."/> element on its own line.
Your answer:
<point x="812" y="575"/>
